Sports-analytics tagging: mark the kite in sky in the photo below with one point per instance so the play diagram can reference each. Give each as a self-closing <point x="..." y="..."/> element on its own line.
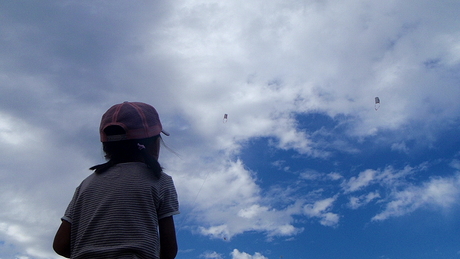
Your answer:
<point x="377" y="103"/>
<point x="225" y="118"/>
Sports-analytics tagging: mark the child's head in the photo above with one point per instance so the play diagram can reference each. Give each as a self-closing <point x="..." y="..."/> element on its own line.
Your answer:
<point x="130" y="131"/>
<point x="138" y="120"/>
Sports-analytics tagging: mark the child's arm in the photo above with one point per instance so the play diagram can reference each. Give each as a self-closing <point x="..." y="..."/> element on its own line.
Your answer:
<point x="61" y="244"/>
<point x="168" y="242"/>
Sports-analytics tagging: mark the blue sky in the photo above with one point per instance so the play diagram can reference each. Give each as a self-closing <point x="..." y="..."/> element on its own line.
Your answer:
<point x="304" y="167"/>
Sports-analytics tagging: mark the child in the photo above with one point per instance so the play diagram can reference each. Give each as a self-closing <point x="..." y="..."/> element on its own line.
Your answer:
<point x="125" y="208"/>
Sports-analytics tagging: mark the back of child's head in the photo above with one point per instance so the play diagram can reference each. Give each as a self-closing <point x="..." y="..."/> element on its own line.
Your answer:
<point x="139" y="121"/>
<point x="126" y="130"/>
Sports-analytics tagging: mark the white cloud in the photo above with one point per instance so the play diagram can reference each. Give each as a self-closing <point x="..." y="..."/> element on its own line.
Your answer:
<point x="310" y="175"/>
<point x="334" y="176"/>
<point x="455" y="163"/>
<point x="401" y="146"/>
<point x="242" y="255"/>
<point x="216" y="185"/>
<point x="438" y="192"/>
<point x="211" y="255"/>
<point x="320" y="209"/>
<point x="386" y="177"/>
<point x="254" y="218"/>
<point x="220" y="232"/>
<point x="364" y="179"/>
<point x="11" y="133"/>
<point x="227" y="201"/>
<point x="359" y="201"/>
<point x="252" y="211"/>
<point x="281" y="165"/>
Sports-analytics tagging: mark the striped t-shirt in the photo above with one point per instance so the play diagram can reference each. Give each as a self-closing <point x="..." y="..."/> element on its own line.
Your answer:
<point x="115" y="214"/>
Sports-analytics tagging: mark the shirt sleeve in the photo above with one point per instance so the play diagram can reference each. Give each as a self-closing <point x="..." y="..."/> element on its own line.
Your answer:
<point x="68" y="215"/>
<point x="169" y="204"/>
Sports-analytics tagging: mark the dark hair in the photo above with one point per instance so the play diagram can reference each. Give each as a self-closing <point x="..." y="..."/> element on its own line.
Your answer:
<point x="127" y="151"/>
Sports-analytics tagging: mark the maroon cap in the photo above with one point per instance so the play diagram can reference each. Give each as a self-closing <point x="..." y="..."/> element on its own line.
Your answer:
<point x="139" y="120"/>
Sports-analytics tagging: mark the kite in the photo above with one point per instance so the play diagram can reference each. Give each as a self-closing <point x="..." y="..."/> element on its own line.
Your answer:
<point x="377" y="103"/>
<point x="225" y="118"/>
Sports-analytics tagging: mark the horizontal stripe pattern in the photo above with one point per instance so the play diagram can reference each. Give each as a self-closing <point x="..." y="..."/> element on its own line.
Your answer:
<point x="115" y="214"/>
